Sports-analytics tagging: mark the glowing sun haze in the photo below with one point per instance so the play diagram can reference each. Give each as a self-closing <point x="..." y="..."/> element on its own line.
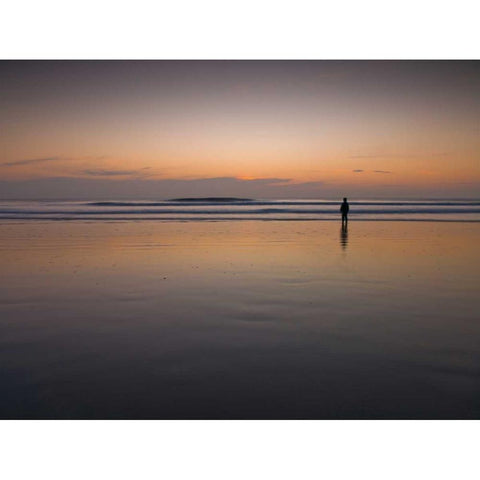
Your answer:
<point x="257" y="128"/>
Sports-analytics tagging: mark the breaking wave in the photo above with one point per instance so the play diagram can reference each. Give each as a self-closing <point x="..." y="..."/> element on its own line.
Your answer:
<point x="231" y="208"/>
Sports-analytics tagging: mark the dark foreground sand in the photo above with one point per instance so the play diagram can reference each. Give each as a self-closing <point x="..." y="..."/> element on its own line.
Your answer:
<point x="239" y="320"/>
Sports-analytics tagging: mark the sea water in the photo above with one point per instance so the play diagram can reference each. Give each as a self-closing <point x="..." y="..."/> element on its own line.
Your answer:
<point x="242" y="209"/>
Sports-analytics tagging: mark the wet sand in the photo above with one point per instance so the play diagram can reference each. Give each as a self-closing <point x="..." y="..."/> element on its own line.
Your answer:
<point x="284" y="320"/>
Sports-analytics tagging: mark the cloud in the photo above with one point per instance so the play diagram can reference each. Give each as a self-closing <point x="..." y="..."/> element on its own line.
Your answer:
<point x="111" y="173"/>
<point x="30" y="161"/>
<point x="266" y="181"/>
<point x="100" y="187"/>
<point x="273" y="181"/>
<point x="359" y="170"/>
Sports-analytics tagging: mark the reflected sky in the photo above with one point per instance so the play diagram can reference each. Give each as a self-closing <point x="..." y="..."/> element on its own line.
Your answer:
<point x="239" y="320"/>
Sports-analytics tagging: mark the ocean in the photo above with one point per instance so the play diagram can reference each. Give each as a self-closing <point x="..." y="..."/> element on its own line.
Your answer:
<point x="221" y="209"/>
<point x="177" y="310"/>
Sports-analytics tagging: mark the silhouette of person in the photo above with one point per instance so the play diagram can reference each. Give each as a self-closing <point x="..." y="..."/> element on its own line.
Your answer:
<point x="344" y="208"/>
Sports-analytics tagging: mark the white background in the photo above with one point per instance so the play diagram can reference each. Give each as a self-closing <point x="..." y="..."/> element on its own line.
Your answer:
<point x="244" y="450"/>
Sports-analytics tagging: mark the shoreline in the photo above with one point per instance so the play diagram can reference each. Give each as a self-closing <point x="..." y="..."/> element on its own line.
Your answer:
<point x="227" y="219"/>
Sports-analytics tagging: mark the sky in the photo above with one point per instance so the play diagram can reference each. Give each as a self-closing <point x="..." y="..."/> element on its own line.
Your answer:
<point x="264" y="129"/>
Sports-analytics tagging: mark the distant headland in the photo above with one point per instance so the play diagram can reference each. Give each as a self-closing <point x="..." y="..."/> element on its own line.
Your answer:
<point x="211" y="199"/>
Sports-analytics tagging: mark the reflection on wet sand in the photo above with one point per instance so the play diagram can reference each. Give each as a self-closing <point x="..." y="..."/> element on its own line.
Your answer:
<point x="239" y="320"/>
<point x="344" y="235"/>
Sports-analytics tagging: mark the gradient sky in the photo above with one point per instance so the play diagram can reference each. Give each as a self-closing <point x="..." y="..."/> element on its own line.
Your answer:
<point x="306" y="129"/>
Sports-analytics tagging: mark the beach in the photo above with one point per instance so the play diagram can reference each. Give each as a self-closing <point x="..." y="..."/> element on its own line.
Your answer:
<point x="239" y="319"/>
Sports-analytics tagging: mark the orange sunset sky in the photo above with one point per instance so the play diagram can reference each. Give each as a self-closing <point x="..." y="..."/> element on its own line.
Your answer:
<point x="272" y="129"/>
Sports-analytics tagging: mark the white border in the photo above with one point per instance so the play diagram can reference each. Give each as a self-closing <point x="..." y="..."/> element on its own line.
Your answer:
<point x="239" y="30"/>
<point x="239" y="450"/>
<point x="250" y="29"/>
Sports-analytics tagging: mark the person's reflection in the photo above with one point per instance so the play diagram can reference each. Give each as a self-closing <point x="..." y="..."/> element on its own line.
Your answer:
<point x="344" y="235"/>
